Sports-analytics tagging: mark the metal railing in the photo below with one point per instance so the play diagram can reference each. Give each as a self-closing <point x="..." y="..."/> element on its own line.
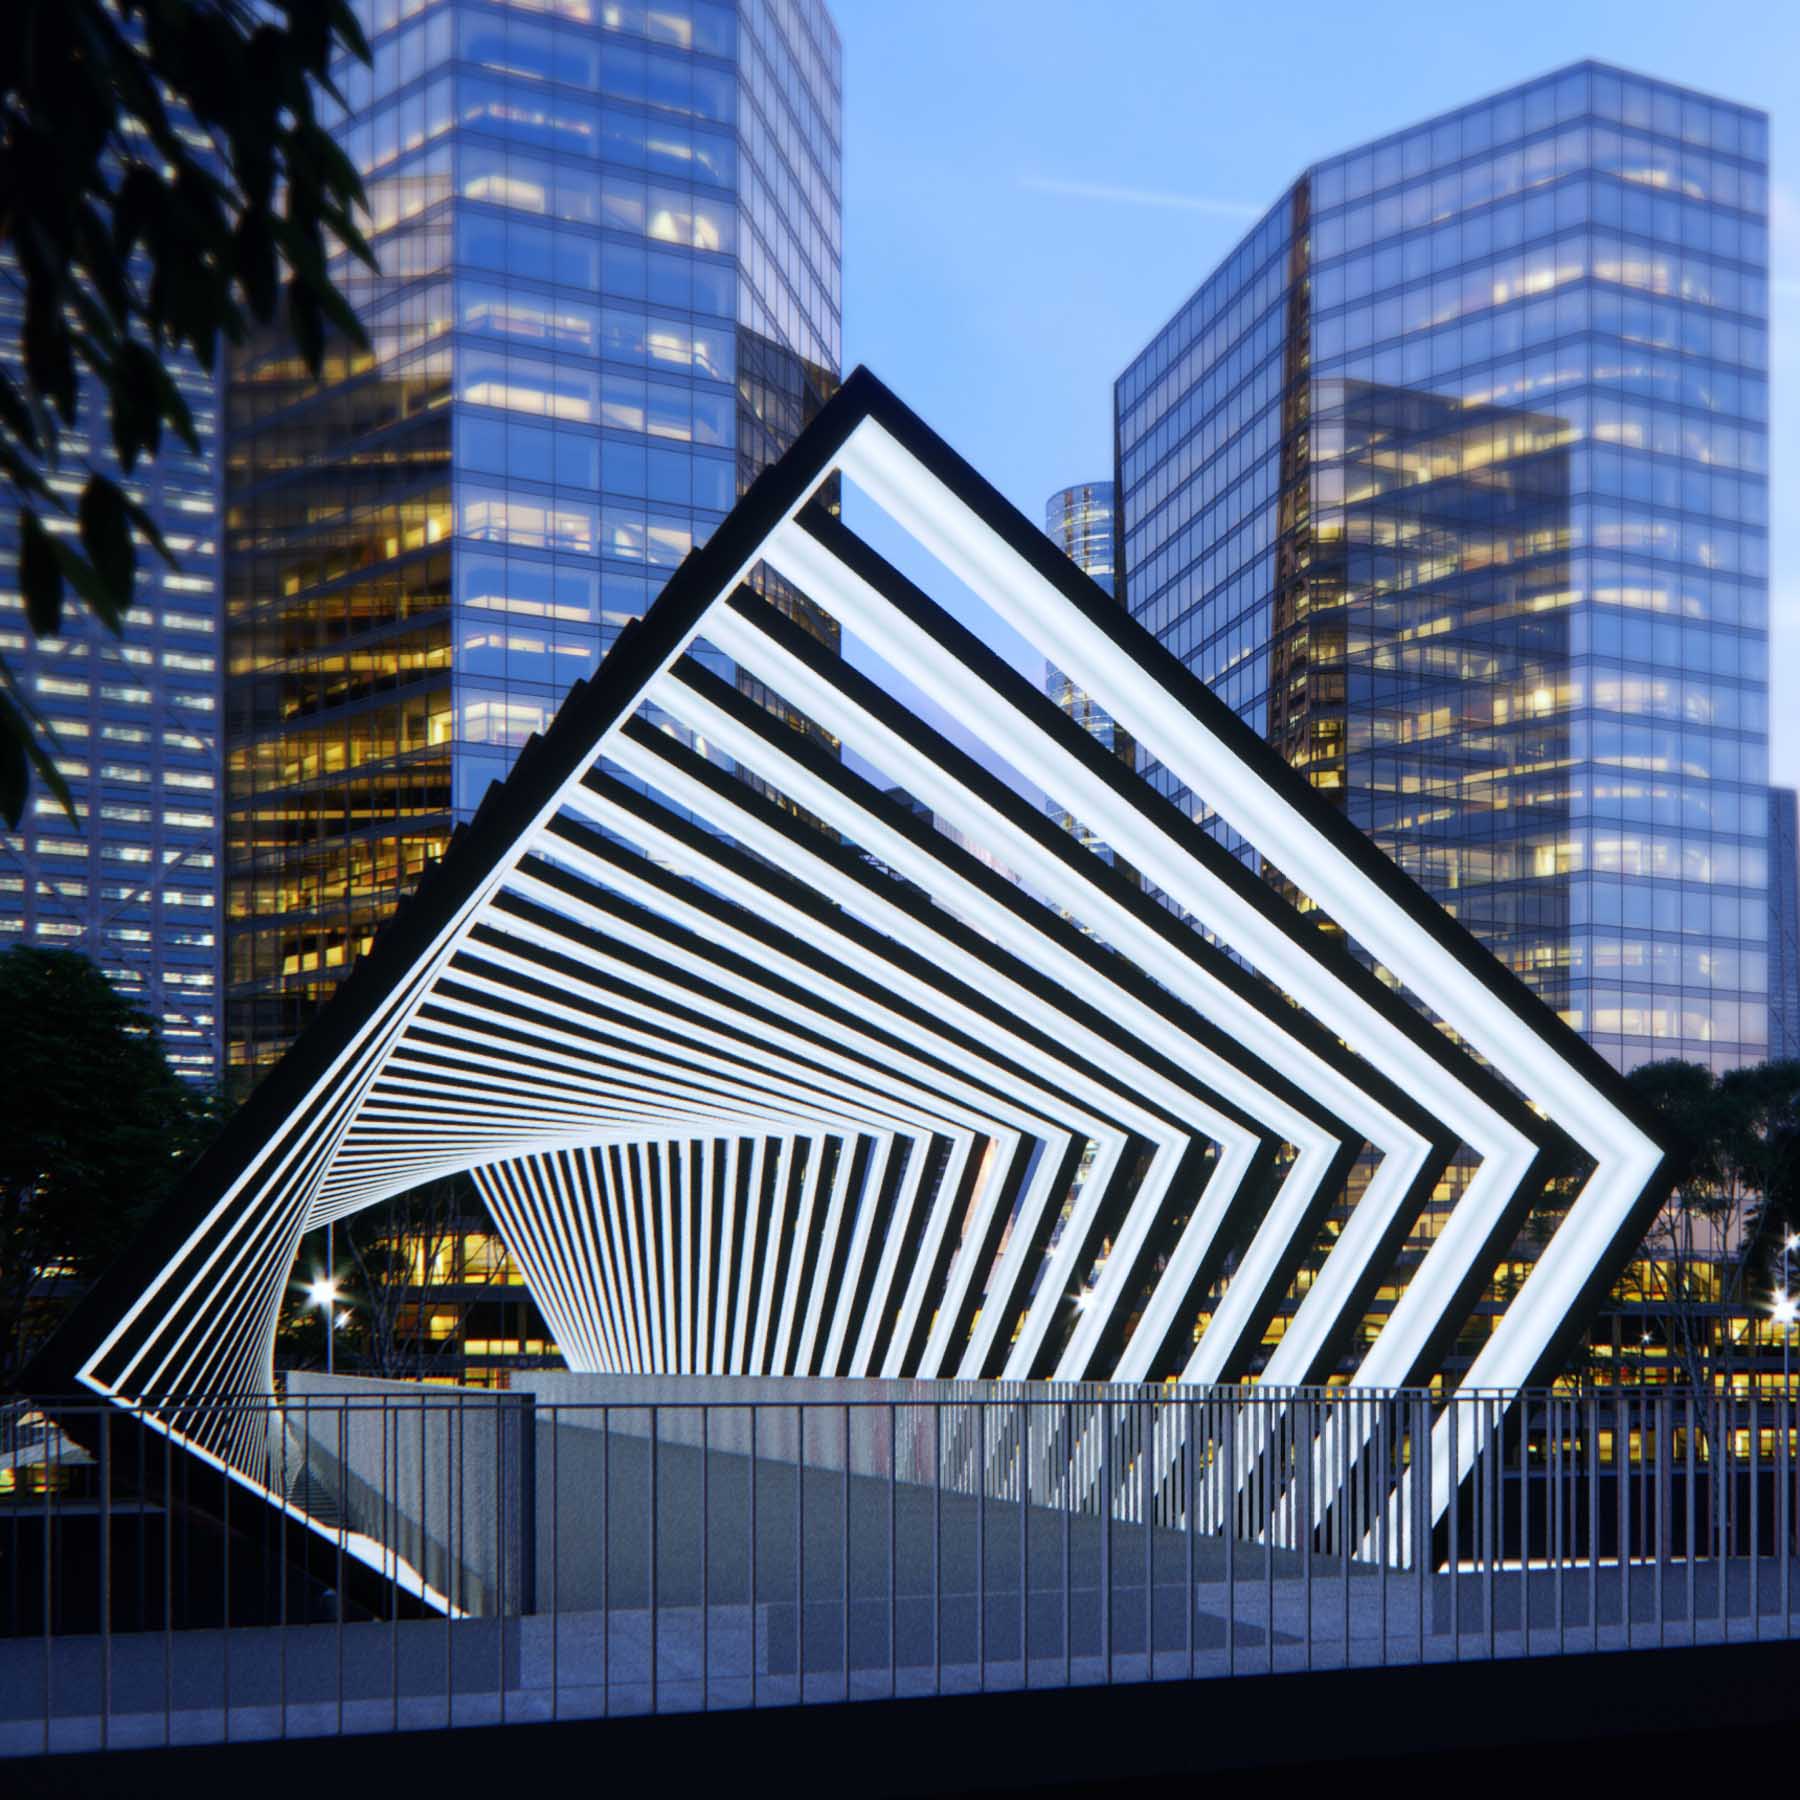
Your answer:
<point x="425" y="1557"/>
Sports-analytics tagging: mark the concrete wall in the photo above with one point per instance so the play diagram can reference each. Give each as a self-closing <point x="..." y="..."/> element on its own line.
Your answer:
<point x="600" y="1493"/>
<point x="441" y="1476"/>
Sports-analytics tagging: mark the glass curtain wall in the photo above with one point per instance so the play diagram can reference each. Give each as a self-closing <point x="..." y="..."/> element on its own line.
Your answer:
<point x="1784" y="924"/>
<point x="609" y="293"/>
<point x="1576" y="272"/>
<point x="1080" y="522"/>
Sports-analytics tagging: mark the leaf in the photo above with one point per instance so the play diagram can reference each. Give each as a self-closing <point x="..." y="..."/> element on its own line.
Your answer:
<point x="48" y="361"/>
<point x="304" y="322"/>
<point x="16" y="416"/>
<point x="126" y="243"/>
<point x="134" y="427"/>
<point x="26" y="742"/>
<point x="257" y="266"/>
<point x="150" y="531"/>
<point x="40" y="574"/>
<point x="348" y="28"/>
<point x="336" y="170"/>
<point x="15" y="770"/>
<point x="137" y="199"/>
<point x="106" y="536"/>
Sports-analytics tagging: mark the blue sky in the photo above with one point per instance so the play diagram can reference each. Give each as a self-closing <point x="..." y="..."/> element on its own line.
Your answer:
<point x="1032" y="187"/>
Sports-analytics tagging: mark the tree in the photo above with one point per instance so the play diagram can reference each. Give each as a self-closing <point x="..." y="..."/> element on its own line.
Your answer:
<point x="397" y="1251"/>
<point x="94" y="1128"/>
<point x="127" y="243"/>
<point x="1734" y="1142"/>
<point x="387" y="1259"/>
<point x="1761" y="1148"/>
<point x="1680" y="1257"/>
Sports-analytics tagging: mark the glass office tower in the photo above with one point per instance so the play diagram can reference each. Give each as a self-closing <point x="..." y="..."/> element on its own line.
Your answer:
<point x="609" y="294"/>
<point x="1784" y="923"/>
<point x="133" y="878"/>
<point x="1080" y="522"/>
<point x="1453" y="480"/>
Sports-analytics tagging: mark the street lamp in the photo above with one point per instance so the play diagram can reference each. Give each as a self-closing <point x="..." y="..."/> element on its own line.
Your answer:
<point x="1784" y="1309"/>
<point x="323" y="1293"/>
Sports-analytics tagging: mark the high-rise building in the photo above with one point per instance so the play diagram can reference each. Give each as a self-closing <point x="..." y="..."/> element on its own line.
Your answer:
<point x="609" y="294"/>
<point x="133" y="878"/>
<point x="1080" y="521"/>
<point x="1452" y="478"/>
<point x="1784" y="924"/>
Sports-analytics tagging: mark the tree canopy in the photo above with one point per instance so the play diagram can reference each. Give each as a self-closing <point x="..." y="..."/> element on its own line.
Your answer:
<point x="1712" y="1251"/>
<point x="94" y="1128"/>
<point x="1734" y="1138"/>
<point x="164" y="183"/>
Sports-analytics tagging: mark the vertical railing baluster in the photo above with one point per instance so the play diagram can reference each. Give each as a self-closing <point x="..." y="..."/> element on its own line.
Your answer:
<point x="606" y="1517"/>
<point x="1190" y="1487"/>
<point x="52" y="1458"/>
<point x="1299" y="1412"/>
<point x="655" y="1592"/>
<point x="498" y="1410"/>
<point x="1555" y="1534"/>
<point x="1453" y="1409"/>
<point x="1660" y="1521"/>
<point x="980" y="1546"/>
<point x="893" y="1568"/>
<point x="1381" y="1487"/>
<point x="1419" y="1487"/>
<point x="1782" y="1500"/>
<point x="1068" y="1524"/>
<point x="705" y="1411"/>
<point x="168" y="1450"/>
<point x="1724" y="1481"/>
<point x="106" y="1569"/>
<point x="454" y="1586"/>
<point x="846" y="1549"/>
<point x="1221" y="1409"/>
<point x="937" y="1546"/>
<point x="800" y="1551"/>
<point x="1755" y="1514"/>
<point x="1146" y="1420"/>
<point x="1523" y="1406"/>
<point x="1106" y="1512"/>
<point x="752" y="1409"/>
<point x="1690" y="1507"/>
<point x="391" y="1413"/>
<point x="1343" y="1505"/>
<point x="1593" y="1520"/>
<point x="1024" y="1463"/>
<point x="1622" y="1488"/>
<point x="1487" y="1447"/>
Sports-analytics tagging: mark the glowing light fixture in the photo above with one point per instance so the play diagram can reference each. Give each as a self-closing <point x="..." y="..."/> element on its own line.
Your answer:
<point x="748" y="1096"/>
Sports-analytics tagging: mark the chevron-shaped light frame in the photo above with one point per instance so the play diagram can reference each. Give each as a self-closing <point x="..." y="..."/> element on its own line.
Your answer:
<point x="745" y="1095"/>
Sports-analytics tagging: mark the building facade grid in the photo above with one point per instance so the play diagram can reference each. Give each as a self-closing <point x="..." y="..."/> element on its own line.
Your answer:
<point x="609" y="294"/>
<point x="1453" y="480"/>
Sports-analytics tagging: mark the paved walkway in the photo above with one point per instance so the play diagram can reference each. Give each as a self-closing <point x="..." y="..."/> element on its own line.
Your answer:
<point x="196" y="1687"/>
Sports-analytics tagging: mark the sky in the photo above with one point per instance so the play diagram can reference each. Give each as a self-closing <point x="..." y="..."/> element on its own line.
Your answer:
<point x="1032" y="187"/>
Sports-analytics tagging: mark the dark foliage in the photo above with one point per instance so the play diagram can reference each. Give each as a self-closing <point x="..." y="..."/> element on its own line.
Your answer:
<point x="94" y="1127"/>
<point x="1715" y="1248"/>
<point x="128" y="243"/>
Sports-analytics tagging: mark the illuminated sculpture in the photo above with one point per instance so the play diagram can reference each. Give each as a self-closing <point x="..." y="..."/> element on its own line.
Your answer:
<point x="749" y="1095"/>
